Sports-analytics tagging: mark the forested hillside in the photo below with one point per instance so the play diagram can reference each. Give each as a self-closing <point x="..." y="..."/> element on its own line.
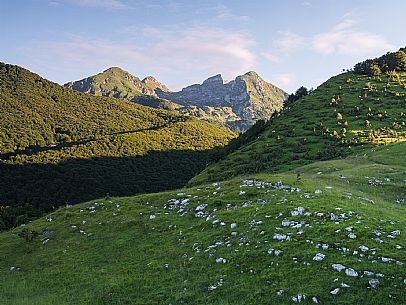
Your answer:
<point x="58" y="146"/>
<point x="348" y="112"/>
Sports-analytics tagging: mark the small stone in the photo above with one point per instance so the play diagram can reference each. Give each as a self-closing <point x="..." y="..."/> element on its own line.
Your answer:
<point x="335" y="291"/>
<point x="280" y="292"/>
<point x="352" y="236"/>
<point x="278" y="252"/>
<point x="386" y="259"/>
<point x="314" y="299"/>
<point x="151" y="217"/>
<point x="395" y="233"/>
<point x="338" y="267"/>
<point x="233" y="225"/>
<point x="351" y="272"/>
<point x="286" y="223"/>
<point x="363" y="248"/>
<point x="319" y="257"/>
<point x="373" y="282"/>
<point x="278" y="236"/>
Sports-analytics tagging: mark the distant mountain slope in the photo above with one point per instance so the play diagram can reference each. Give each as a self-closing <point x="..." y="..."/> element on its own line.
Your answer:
<point x="58" y="146"/>
<point x="115" y="82"/>
<point x="236" y="104"/>
<point x="343" y="115"/>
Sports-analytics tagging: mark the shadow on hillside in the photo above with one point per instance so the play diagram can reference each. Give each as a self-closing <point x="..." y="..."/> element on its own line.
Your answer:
<point x="47" y="186"/>
<point x="35" y="149"/>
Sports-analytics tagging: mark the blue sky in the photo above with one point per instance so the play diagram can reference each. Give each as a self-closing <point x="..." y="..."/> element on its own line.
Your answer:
<point x="180" y="42"/>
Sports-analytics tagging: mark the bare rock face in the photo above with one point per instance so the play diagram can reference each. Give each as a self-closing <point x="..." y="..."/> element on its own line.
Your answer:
<point x="248" y="95"/>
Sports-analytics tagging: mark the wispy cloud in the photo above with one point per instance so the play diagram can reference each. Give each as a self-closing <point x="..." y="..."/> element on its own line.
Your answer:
<point x="344" y="39"/>
<point x="171" y="51"/>
<point x="108" y="4"/>
<point x="271" y="57"/>
<point x="224" y="13"/>
<point x="289" y="41"/>
<point x="284" y="80"/>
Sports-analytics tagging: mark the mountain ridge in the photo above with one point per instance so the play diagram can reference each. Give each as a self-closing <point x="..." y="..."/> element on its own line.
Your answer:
<point x="248" y="96"/>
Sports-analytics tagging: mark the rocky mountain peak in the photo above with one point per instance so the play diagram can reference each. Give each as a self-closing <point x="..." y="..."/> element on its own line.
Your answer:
<point x="153" y="83"/>
<point x="214" y="80"/>
<point x="252" y="73"/>
<point x="114" y="70"/>
<point x="249" y="96"/>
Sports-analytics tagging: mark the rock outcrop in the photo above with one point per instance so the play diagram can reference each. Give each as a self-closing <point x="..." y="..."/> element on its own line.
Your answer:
<point x="249" y="96"/>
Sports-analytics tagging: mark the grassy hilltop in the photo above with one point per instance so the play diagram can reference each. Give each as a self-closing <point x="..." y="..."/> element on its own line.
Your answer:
<point x="232" y="242"/>
<point x="341" y="117"/>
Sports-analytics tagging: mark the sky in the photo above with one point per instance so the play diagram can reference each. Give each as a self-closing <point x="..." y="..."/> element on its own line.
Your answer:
<point x="289" y="43"/>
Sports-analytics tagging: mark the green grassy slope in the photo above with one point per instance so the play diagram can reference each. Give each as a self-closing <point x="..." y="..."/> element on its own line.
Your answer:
<point x="58" y="146"/>
<point x="341" y="117"/>
<point x="115" y="82"/>
<point x="216" y="243"/>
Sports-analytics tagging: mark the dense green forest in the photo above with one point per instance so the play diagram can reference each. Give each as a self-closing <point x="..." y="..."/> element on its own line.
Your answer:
<point x="59" y="147"/>
<point x="390" y="62"/>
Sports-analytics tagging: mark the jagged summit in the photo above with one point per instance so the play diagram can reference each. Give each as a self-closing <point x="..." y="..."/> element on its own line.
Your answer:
<point x="237" y="103"/>
<point x="248" y="95"/>
<point x="251" y="73"/>
<point x="214" y="80"/>
<point x="152" y="82"/>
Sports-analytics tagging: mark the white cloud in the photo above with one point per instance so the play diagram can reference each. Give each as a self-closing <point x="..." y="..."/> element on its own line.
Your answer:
<point x="284" y="80"/>
<point x="272" y="57"/>
<point x="224" y="13"/>
<point x="289" y="41"/>
<point x="173" y="52"/>
<point x="344" y="38"/>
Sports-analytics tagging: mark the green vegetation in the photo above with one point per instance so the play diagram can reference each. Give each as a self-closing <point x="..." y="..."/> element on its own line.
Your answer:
<point x="390" y="62"/>
<point x="343" y="116"/>
<point x="59" y="147"/>
<point x="115" y="82"/>
<point x="218" y="243"/>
